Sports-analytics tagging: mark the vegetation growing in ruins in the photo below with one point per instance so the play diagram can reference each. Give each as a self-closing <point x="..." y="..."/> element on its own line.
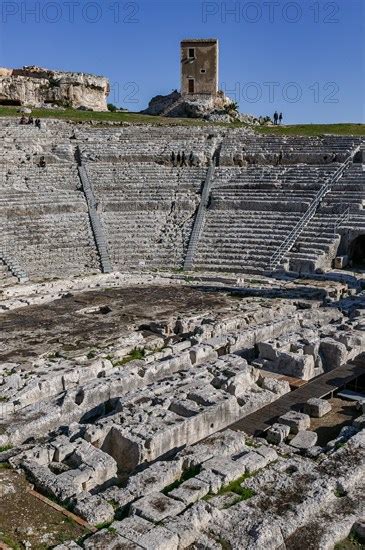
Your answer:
<point x="243" y="493"/>
<point x="231" y="107"/>
<point x="9" y="542"/>
<point x="4" y="448"/>
<point x="188" y="474"/>
<point x="135" y="354"/>
<point x="236" y="487"/>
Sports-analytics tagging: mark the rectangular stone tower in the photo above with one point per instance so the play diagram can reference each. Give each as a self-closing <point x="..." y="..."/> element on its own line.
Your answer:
<point x="199" y="66"/>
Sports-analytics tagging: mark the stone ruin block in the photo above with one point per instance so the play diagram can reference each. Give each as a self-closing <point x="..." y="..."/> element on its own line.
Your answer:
<point x="190" y="491"/>
<point x="317" y="407"/>
<point x="155" y="478"/>
<point x="214" y="481"/>
<point x="227" y="468"/>
<point x="220" y="444"/>
<point x="202" y="353"/>
<point x="141" y="533"/>
<point x="188" y="525"/>
<point x="277" y="433"/>
<point x="279" y="387"/>
<point x="93" y="508"/>
<point x="333" y="354"/>
<point x="156" y="507"/>
<point x="296" y="421"/>
<point x="253" y="461"/>
<point x="304" y="439"/>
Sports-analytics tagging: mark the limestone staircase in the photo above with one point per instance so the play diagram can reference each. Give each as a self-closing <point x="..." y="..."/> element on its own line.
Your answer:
<point x="293" y="236"/>
<point x="96" y="225"/>
<point x="9" y="267"/>
<point x="199" y="220"/>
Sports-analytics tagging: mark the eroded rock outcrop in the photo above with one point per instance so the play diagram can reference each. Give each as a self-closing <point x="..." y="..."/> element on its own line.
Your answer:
<point x="37" y="87"/>
<point x="219" y="108"/>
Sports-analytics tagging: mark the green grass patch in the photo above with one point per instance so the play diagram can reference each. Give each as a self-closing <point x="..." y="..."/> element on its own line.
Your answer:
<point x="138" y="118"/>
<point x="136" y="353"/>
<point x="4" y="466"/>
<point x="349" y="129"/>
<point x="340" y="493"/>
<point x="88" y="116"/>
<point x="235" y="487"/>
<point x="243" y="493"/>
<point x="4" y="448"/>
<point x="103" y="525"/>
<point x="9" y="541"/>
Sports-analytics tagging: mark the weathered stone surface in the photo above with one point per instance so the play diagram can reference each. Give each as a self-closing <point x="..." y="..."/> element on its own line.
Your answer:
<point x="317" y="407"/>
<point x="199" y="106"/>
<point x="334" y="354"/>
<point x="94" y="509"/>
<point x="280" y="387"/>
<point x="253" y="461"/>
<point x="156" y="507"/>
<point x="277" y="433"/>
<point x="304" y="440"/>
<point x="227" y="468"/>
<point x="190" y="491"/>
<point x="296" y="421"/>
<point x="34" y="86"/>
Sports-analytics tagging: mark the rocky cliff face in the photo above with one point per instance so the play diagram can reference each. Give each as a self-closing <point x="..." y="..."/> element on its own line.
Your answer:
<point x="37" y="87"/>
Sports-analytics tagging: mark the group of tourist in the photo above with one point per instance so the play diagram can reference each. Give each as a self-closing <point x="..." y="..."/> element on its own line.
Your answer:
<point x="278" y="118"/>
<point x="25" y="121"/>
<point x="180" y="159"/>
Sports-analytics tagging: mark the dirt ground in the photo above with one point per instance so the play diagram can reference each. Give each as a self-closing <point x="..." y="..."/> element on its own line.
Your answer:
<point x="36" y="522"/>
<point x="61" y="326"/>
<point x="329" y="426"/>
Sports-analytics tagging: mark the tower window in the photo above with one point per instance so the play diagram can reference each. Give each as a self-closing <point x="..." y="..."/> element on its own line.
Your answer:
<point x="203" y="71"/>
<point x="191" y="53"/>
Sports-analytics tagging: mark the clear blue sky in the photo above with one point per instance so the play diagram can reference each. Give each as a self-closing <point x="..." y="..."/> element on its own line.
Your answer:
<point x="304" y="58"/>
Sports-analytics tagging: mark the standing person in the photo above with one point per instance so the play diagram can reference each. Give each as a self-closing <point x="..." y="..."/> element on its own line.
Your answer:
<point x="280" y="118"/>
<point x="173" y="158"/>
<point x="276" y="116"/>
<point x="178" y="159"/>
<point x="183" y="159"/>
